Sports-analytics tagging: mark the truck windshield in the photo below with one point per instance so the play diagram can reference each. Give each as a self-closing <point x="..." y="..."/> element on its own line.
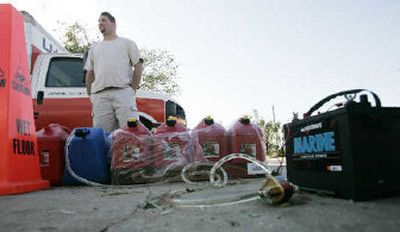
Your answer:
<point x="65" y="72"/>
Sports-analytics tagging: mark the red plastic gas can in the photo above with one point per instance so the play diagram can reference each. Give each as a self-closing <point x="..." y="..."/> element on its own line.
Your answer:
<point x="171" y="144"/>
<point x="246" y="137"/>
<point x="51" y="142"/>
<point x="130" y="147"/>
<point x="212" y="138"/>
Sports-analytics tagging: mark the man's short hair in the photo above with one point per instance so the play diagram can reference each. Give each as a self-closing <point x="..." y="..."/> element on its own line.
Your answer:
<point x="108" y="15"/>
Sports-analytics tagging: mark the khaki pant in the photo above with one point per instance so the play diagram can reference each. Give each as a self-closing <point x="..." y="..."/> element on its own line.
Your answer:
<point x="113" y="107"/>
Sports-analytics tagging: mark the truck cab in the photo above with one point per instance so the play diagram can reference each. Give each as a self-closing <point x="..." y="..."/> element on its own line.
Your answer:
<point x="59" y="95"/>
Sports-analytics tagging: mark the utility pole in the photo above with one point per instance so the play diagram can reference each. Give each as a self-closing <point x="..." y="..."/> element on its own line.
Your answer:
<point x="275" y="135"/>
<point x="273" y="114"/>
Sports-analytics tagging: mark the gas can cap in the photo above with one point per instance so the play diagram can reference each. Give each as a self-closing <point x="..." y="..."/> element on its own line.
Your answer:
<point x="208" y="121"/>
<point x="132" y="122"/>
<point x="245" y="120"/>
<point x="171" y="121"/>
<point x="82" y="132"/>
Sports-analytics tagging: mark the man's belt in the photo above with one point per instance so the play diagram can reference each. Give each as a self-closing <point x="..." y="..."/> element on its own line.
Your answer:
<point x="108" y="88"/>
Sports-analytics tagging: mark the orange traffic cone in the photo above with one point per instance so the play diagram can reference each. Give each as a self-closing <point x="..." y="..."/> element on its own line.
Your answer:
<point x="19" y="160"/>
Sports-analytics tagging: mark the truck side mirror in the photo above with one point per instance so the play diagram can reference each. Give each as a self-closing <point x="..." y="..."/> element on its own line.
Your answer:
<point x="39" y="97"/>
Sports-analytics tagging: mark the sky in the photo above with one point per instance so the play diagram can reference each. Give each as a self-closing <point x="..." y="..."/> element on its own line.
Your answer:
<point x="236" y="56"/>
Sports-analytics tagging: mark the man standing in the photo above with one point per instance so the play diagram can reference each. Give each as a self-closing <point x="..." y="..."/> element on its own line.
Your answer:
<point x="110" y="81"/>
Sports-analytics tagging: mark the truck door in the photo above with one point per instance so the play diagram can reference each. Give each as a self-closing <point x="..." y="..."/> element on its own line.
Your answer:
<point x="65" y="100"/>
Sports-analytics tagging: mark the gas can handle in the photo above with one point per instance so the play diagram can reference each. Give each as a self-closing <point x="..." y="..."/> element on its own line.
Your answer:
<point x="346" y="92"/>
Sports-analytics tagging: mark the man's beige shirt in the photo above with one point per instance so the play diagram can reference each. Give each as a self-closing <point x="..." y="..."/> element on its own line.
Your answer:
<point x="112" y="63"/>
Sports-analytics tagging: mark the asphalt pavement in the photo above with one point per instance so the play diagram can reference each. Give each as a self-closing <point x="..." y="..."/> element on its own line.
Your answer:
<point x="164" y="207"/>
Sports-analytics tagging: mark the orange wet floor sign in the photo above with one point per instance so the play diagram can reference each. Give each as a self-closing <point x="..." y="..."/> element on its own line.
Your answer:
<point x="19" y="161"/>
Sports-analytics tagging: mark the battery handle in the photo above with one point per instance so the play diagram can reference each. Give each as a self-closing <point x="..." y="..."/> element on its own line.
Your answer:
<point x="342" y="93"/>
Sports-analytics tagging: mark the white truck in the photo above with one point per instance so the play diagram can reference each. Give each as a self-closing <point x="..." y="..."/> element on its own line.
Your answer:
<point x="58" y="85"/>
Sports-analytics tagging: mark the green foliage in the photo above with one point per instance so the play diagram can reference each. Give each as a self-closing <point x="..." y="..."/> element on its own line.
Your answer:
<point x="272" y="135"/>
<point x="76" y="39"/>
<point x="160" y="72"/>
<point x="160" y="68"/>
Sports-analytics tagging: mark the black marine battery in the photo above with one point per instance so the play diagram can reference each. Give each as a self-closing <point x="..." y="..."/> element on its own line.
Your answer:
<point x="352" y="152"/>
